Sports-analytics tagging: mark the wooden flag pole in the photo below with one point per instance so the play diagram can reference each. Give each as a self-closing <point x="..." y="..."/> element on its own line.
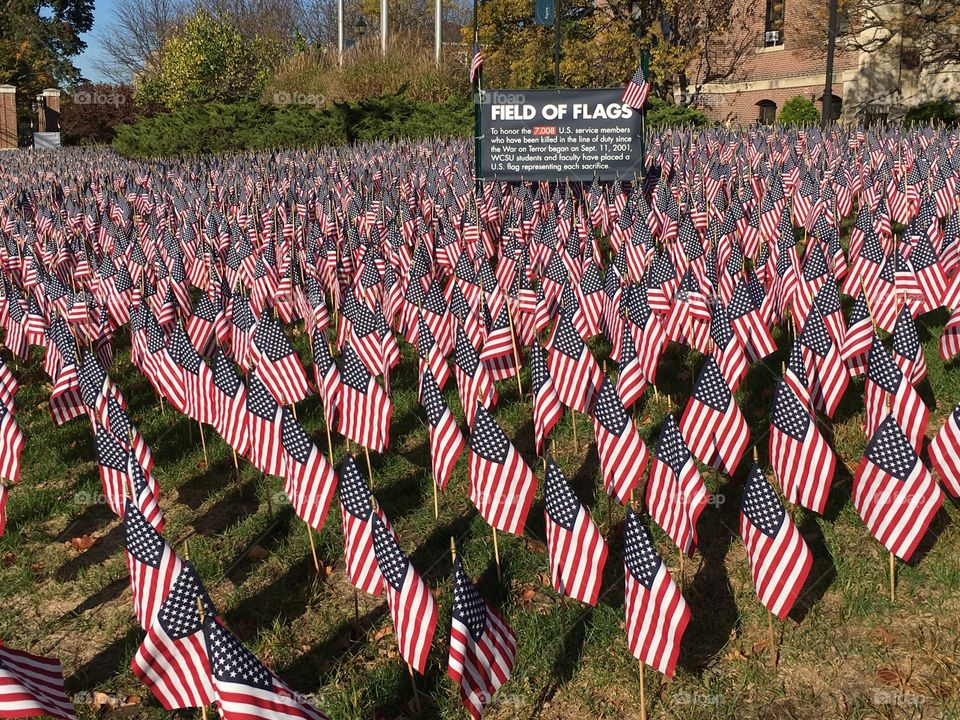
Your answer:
<point x="643" y="695"/>
<point x="366" y="451"/>
<point x="893" y="578"/>
<point x="326" y="424"/>
<point x="203" y="444"/>
<point x="573" y="422"/>
<point x="413" y="684"/>
<point x="436" y="500"/>
<point x="773" y="641"/>
<point x="496" y="552"/>
<point x="516" y="352"/>
<point x="313" y="548"/>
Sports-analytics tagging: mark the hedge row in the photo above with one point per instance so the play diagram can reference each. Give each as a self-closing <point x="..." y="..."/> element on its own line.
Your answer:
<point x="219" y="128"/>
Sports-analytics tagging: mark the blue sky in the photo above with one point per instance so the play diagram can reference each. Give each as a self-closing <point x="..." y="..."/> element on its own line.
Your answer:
<point x="102" y="17"/>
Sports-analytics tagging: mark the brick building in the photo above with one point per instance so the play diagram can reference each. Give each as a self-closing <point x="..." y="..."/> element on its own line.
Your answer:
<point x="769" y="53"/>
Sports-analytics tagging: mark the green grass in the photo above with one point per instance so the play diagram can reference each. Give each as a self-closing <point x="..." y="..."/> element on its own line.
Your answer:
<point x="849" y="652"/>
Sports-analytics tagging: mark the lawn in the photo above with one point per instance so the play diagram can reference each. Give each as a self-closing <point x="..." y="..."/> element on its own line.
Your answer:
<point x="847" y="650"/>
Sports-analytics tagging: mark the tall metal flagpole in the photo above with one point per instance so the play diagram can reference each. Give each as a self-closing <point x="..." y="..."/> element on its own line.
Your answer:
<point x="340" y="32"/>
<point x="437" y="31"/>
<point x="477" y="101"/>
<point x="384" y="23"/>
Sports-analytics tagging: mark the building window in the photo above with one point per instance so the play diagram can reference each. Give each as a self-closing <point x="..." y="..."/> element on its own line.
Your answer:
<point x="768" y="112"/>
<point x="773" y="27"/>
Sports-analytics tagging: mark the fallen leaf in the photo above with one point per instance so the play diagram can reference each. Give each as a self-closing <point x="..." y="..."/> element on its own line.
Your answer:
<point x="9" y="558"/>
<point x="84" y="542"/>
<point x="132" y="700"/>
<point x="37" y="567"/>
<point x="201" y="465"/>
<point x="527" y="594"/>
<point x="328" y="570"/>
<point x="383" y="632"/>
<point x="758" y="647"/>
<point x="886" y="636"/>
<point x="104" y="700"/>
<point x="888" y="676"/>
<point x="534" y="545"/>
<point x="257" y="552"/>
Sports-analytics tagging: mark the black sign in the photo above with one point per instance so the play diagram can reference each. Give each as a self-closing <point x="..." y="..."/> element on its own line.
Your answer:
<point x="558" y="135"/>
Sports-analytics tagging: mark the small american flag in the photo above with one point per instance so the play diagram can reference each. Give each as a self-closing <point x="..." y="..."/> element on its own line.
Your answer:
<point x="11" y="444"/>
<point x="230" y="403"/>
<point x="172" y="660"/>
<point x="278" y="364"/>
<point x="623" y="456"/>
<point x="825" y="368"/>
<point x="893" y="491"/>
<point x="482" y="645"/>
<point x="636" y="91"/>
<point x="547" y="409"/>
<point x="476" y="64"/>
<point x="712" y="425"/>
<point x="857" y="338"/>
<point x="802" y="460"/>
<point x="779" y="558"/>
<point x="244" y="688"/>
<point x="501" y="483"/>
<point x="112" y="466"/>
<point x="263" y="427"/>
<point x="945" y="452"/>
<point x="365" y="407"/>
<point x="412" y="607"/>
<point x="887" y="391"/>
<point x="656" y="613"/>
<point x="574" y="370"/>
<point x="309" y="480"/>
<point x="32" y="685"/>
<point x="907" y="353"/>
<point x="359" y="558"/>
<point x="153" y="565"/>
<point x="576" y="548"/>
<point x="676" y="494"/>
<point x="473" y="378"/>
<point x="446" y="440"/>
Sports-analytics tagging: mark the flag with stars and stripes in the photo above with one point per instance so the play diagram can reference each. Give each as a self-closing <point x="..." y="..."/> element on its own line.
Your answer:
<point x="196" y="378"/>
<point x="412" y="607"/>
<point x="355" y="509"/>
<point x="856" y="339"/>
<point x="907" y="353"/>
<point x="726" y="347"/>
<point x="656" y="613"/>
<point x="277" y="362"/>
<point x="446" y="440"/>
<point x="576" y="548"/>
<point x="263" y="426"/>
<point x="482" y="645"/>
<point x="472" y="376"/>
<point x="145" y="492"/>
<point x="547" y="409"/>
<point x="676" y="494"/>
<point x="244" y="688"/>
<point x="230" y="404"/>
<point x="623" y="456"/>
<point x="801" y="458"/>
<point x="66" y="402"/>
<point x="945" y="452"/>
<point x="635" y="92"/>
<point x="11" y="444"/>
<point x="31" y="685"/>
<point x="365" y="408"/>
<point x="778" y="556"/>
<point x="152" y="563"/>
<point x="712" y="425"/>
<point x="887" y="391"/>
<point x="575" y="372"/>
<point x="501" y="483"/>
<point x="825" y="369"/>
<point x="308" y="479"/>
<point x="172" y="659"/>
<point x="111" y="457"/>
<point x="893" y="491"/>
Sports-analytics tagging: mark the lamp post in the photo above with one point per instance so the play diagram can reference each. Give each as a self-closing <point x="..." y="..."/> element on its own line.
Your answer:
<point x="340" y="32"/>
<point x="384" y="21"/>
<point x="360" y="29"/>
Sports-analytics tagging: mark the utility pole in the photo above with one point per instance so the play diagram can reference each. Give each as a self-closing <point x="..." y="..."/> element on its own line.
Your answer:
<point x="340" y="32"/>
<point x="831" y="47"/>
<point x="437" y="31"/>
<point x="384" y="21"/>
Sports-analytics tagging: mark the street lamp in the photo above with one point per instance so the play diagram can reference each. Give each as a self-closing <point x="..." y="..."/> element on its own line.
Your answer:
<point x="360" y="28"/>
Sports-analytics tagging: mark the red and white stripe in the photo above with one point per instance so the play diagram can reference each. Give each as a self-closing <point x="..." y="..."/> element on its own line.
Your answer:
<point x="32" y="685"/>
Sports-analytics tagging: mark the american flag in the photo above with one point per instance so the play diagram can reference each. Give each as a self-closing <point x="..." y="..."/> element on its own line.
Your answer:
<point x="473" y="378"/>
<point x="501" y="483"/>
<point x="355" y="507"/>
<point x="547" y="409"/>
<point x="365" y="407"/>
<point x="446" y="440"/>
<point x="887" y="391"/>
<point x="145" y="492"/>
<point x="429" y="353"/>
<point x="32" y="685"/>
<point x="749" y="326"/>
<point x="11" y="444"/>
<point x="712" y="425"/>
<point x="482" y="645"/>
<point x="856" y="340"/>
<point x="112" y="466"/>
<point x="196" y="378"/>
<point x="825" y="369"/>
<point x="623" y="456"/>
<point x="907" y="353"/>
<point x="636" y="91"/>
<point x="802" y="460"/>
<point x="893" y="491"/>
<point x="676" y="494"/>
<point x="412" y="607"/>
<point x="476" y="64"/>
<point x="308" y="479"/>
<point x="327" y="375"/>
<point x="230" y="403"/>
<point x="576" y="548"/>
<point x="160" y="365"/>
<point x="657" y="615"/>
<point x="243" y="687"/>
<point x="949" y="344"/>
<point x="945" y="452"/>
<point x="66" y="402"/>
<point x="153" y="565"/>
<point x="631" y="381"/>
<point x="779" y="558"/>
<point x="172" y="660"/>
<point x="276" y="361"/>
<point x="574" y="370"/>
<point x="263" y="427"/>
<point x="726" y="347"/>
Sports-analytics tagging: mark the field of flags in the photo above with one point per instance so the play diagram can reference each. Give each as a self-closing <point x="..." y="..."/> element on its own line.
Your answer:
<point x="253" y="292"/>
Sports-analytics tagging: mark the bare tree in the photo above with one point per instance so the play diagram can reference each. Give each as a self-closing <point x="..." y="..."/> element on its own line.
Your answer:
<point x="133" y="41"/>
